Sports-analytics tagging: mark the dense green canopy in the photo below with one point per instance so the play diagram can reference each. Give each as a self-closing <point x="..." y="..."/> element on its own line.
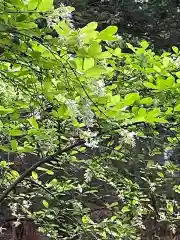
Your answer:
<point x="91" y="133"/>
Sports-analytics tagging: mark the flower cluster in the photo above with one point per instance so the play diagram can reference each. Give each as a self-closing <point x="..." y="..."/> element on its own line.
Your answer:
<point x="129" y="137"/>
<point x="99" y="88"/>
<point x="62" y="12"/>
<point x="83" y="112"/>
<point x="90" y="138"/>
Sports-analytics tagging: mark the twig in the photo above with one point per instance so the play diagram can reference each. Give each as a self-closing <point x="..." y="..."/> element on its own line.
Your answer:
<point x="35" y="166"/>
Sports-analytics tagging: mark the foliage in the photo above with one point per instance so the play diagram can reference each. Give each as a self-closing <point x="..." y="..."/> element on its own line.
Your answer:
<point x="156" y="21"/>
<point x="99" y="120"/>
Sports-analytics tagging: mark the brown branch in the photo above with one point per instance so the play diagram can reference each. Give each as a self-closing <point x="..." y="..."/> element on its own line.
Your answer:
<point x="34" y="167"/>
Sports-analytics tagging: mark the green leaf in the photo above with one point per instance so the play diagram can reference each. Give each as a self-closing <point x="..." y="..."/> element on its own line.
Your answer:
<point x="166" y="62"/>
<point x="125" y="209"/>
<point x="15" y="173"/>
<point x="33" y="122"/>
<point x="154" y="113"/>
<point x="45" y="203"/>
<point x="88" y="63"/>
<point x="149" y="85"/>
<point x="131" y="98"/>
<point x="79" y="63"/>
<point x="170" y="207"/>
<point x="5" y="148"/>
<point x="16" y="132"/>
<point x="94" y="49"/>
<point x="157" y="69"/>
<point x="63" y="28"/>
<point x="142" y="112"/>
<point x="34" y="175"/>
<point x="1" y="124"/>
<point x="86" y="219"/>
<point x="177" y="188"/>
<point x="114" y="204"/>
<point x="117" y="148"/>
<point x="134" y="202"/>
<point x="62" y="111"/>
<point x="32" y="4"/>
<point x="50" y="172"/>
<point x="45" y="5"/>
<point x="14" y="145"/>
<point x="160" y="174"/>
<point x="117" y="52"/>
<point x="150" y="163"/>
<point x="177" y="108"/>
<point x="175" y="49"/>
<point x="108" y="34"/>
<point x="95" y="71"/>
<point x="4" y="164"/>
<point x="54" y="182"/>
<point x="144" y="44"/>
<point x="104" y="55"/>
<point x="89" y="27"/>
<point x="5" y="111"/>
<point x="147" y="101"/>
<point x="130" y="46"/>
<point x="178" y="74"/>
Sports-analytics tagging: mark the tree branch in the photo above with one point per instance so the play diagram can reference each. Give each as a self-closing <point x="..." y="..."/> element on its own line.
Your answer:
<point x="35" y="166"/>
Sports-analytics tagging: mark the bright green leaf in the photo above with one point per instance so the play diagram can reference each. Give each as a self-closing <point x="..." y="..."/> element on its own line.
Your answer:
<point x="45" y="203"/>
<point x="125" y="209"/>
<point x="15" y="173"/>
<point x="32" y="4"/>
<point x="177" y="108"/>
<point x="34" y="175"/>
<point x="131" y="98"/>
<point x="45" y="5"/>
<point x="149" y="85"/>
<point x="33" y="122"/>
<point x="88" y="63"/>
<point x="16" y="132"/>
<point x="144" y="44"/>
<point x="170" y="207"/>
<point x="147" y="101"/>
<point x="178" y="74"/>
<point x="94" y="49"/>
<point x="175" y="49"/>
<point x="108" y="34"/>
<point x="14" y="145"/>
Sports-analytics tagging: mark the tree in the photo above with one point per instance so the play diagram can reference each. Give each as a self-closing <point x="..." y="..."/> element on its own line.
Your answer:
<point x="155" y="21"/>
<point x="93" y="119"/>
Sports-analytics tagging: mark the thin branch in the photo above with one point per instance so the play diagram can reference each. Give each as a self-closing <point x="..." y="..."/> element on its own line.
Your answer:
<point x="34" y="167"/>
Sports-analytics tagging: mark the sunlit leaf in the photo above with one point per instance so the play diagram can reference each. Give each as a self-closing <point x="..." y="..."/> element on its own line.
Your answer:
<point x="16" y="132"/>
<point x="33" y="122"/>
<point x="45" y="5"/>
<point x="45" y="203"/>
<point x="14" y="145"/>
<point x="34" y="175"/>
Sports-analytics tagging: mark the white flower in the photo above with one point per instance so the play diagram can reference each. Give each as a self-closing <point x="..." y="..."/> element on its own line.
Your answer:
<point x="129" y="137"/>
<point x="87" y="114"/>
<point x="99" y="87"/>
<point x="90" y="138"/>
<point x="92" y="143"/>
<point x="73" y="107"/>
<point x="1" y="229"/>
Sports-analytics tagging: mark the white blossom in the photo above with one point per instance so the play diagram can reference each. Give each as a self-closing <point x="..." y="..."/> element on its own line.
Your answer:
<point x="129" y="137"/>
<point x="99" y="87"/>
<point x="73" y="107"/>
<point x="87" y="113"/>
<point x="90" y="138"/>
